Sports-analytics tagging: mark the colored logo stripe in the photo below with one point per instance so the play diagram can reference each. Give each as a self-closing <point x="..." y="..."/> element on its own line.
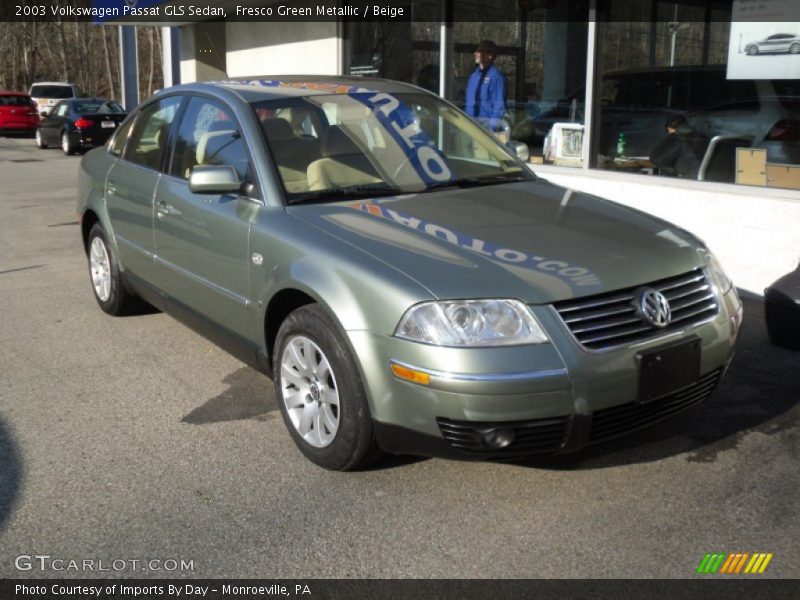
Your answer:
<point x="710" y="563"/>
<point x="758" y="563"/>
<point x="732" y="564"/>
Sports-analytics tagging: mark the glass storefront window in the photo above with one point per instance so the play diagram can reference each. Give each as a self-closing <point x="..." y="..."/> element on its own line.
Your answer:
<point x="681" y="89"/>
<point x="542" y="55"/>
<point x="693" y="95"/>
<point x="404" y="51"/>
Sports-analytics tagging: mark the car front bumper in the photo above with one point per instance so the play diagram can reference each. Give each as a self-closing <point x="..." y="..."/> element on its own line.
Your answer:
<point x="549" y="398"/>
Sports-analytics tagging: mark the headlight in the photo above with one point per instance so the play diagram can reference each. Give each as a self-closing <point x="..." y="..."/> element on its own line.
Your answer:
<point x="715" y="273"/>
<point x="471" y="323"/>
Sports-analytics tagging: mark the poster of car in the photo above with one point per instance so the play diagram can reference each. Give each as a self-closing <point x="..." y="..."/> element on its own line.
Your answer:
<point x="764" y="40"/>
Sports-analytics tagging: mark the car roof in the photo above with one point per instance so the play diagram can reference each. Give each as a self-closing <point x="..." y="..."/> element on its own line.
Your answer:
<point x="269" y="87"/>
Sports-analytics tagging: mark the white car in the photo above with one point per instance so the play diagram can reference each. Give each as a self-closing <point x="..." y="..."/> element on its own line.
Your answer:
<point x="47" y="94"/>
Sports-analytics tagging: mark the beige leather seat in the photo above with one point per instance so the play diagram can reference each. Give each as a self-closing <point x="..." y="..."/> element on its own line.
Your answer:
<point x="342" y="164"/>
<point x="289" y="153"/>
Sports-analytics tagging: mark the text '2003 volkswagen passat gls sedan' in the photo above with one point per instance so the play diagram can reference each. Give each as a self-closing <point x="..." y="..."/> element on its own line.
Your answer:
<point x="407" y="282"/>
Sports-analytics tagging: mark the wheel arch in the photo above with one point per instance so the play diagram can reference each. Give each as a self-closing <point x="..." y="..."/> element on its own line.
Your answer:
<point x="280" y="306"/>
<point x="88" y="221"/>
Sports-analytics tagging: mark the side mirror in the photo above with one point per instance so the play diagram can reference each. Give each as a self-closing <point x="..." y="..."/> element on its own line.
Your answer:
<point x="43" y="114"/>
<point x="214" y="179"/>
<point x="520" y="149"/>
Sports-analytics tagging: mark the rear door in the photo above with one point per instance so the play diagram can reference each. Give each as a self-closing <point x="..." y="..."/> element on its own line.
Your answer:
<point x="202" y="239"/>
<point x="132" y="181"/>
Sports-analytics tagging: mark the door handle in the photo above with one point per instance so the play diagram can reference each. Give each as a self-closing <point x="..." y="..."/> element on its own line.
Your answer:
<point x="112" y="189"/>
<point x="163" y="209"/>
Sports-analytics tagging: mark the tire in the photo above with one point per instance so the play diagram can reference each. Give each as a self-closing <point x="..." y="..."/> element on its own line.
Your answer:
<point x="66" y="145"/>
<point x="794" y="49"/>
<point x="320" y="393"/>
<point x="109" y="289"/>
<point x="40" y="139"/>
<point x="751" y="50"/>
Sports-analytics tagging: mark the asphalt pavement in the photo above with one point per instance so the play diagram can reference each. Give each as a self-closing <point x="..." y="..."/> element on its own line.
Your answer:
<point x="135" y="439"/>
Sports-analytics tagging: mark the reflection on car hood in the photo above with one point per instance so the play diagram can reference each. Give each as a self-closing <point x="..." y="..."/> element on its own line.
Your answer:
<point x="533" y="241"/>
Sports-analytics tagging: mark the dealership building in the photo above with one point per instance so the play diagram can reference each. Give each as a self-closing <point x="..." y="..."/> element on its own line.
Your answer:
<point x="591" y="87"/>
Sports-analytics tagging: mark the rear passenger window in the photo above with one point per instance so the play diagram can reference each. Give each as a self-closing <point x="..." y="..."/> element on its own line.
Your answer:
<point x="149" y="137"/>
<point x="208" y="135"/>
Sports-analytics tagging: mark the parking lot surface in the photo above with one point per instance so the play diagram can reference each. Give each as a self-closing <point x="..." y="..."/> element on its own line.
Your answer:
<point x="135" y="439"/>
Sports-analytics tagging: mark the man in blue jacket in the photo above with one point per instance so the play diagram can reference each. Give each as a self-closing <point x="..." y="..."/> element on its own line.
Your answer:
<point x="486" y="88"/>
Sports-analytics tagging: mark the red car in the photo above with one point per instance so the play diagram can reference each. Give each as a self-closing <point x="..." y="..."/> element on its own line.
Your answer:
<point x="17" y="113"/>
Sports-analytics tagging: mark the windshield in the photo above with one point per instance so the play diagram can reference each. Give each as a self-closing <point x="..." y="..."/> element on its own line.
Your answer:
<point x="327" y="146"/>
<point x="51" y="91"/>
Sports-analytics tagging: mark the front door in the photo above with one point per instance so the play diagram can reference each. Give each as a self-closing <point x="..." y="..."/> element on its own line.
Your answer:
<point x="202" y="239"/>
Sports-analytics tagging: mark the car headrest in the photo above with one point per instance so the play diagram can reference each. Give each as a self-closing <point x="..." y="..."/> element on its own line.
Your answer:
<point x="336" y="142"/>
<point x="277" y="129"/>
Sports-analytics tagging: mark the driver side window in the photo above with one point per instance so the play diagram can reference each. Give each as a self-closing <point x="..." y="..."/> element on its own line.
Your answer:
<point x="208" y="135"/>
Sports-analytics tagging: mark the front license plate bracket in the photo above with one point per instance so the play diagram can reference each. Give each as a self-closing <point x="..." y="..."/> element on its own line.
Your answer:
<point x="668" y="368"/>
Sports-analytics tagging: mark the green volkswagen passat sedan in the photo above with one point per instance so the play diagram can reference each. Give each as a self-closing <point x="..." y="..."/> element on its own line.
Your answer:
<point x="406" y="281"/>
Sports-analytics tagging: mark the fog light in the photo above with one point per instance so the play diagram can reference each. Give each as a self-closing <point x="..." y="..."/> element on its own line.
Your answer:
<point x="498" y="438"/>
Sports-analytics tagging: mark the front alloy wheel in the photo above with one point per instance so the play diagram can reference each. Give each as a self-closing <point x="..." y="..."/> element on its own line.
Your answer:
<point x="319" y="392"/>
<point x="309" y="391"/>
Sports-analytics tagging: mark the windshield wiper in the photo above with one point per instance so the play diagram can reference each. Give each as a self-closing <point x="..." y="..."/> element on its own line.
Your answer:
<point x="466" y="182"/>
<point x="346" y="193"/>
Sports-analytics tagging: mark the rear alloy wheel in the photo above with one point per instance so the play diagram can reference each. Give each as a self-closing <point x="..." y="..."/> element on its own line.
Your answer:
<point x="794" y="49"/>
<point x="40" y="140"/>
<point x="752" y="50"/>
<point x="320" y="394"/>
<point x="109" y="289"/>
<point x="67" y="145"/>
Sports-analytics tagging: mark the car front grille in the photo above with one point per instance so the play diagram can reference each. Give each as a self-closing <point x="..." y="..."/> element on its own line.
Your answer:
<point x="613" y="319"/>
<point x="540" y="436"/>
<point x="618" y="420"/>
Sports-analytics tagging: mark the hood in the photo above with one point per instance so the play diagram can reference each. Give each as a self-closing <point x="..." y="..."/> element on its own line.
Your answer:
<point x="533" y="241"/>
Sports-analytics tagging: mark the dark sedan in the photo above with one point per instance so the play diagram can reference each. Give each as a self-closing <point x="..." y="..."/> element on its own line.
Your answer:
<point x="79" y="124"/>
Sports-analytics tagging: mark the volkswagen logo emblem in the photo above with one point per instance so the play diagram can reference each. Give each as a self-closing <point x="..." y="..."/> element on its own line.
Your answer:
<point x="655" y="308"/>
